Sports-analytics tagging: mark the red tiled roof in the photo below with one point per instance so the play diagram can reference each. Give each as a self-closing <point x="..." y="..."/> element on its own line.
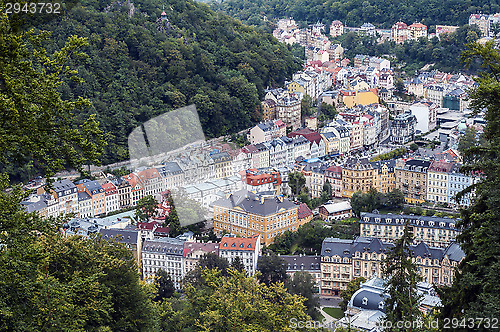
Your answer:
<point x="206" y="247"/>
<point x="238" y="243"/>
<point x="304" y="211"/>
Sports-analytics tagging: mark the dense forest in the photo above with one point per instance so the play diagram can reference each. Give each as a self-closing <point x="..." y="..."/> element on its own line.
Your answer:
<point x="381" y="13"/>
<point x="138" y="66"/>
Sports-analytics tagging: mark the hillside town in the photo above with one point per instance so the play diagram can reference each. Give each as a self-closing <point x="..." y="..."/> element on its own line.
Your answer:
<point x="247" y="195"/>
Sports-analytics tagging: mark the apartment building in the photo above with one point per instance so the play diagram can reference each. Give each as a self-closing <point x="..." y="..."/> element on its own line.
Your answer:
<point x="247" y="249"/>
<point x="267" y="131"/>
<point x="136" y="188"/>
<point x="288" y="110"/>
<point x="111" y="197"/>
<point x="223" y="165"/>
<point x="66" y="195"/>
<point x="96" y="191"/>
<point x="411" y="179"/>
<point x="437" y="181"/>
<point x="247" y="214"/>
<point x="165" y="254"/>
<point x="384" y="178"/>
<point x="436" y="232"/>
<point x="192" y="253"/>
<point x="309" y="264"/>
<point x="333" y="174"/>
<point x="344" y="260"/>
<point x="336" y="28"/>
<point x="403" y="128"/>
<point x="357" y="175"/>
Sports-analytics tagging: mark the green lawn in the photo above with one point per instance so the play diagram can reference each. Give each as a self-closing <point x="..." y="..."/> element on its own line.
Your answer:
<point x="334" y="312"/>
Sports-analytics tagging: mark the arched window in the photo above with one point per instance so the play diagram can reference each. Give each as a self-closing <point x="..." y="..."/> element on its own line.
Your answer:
<point x="364" y="301"/>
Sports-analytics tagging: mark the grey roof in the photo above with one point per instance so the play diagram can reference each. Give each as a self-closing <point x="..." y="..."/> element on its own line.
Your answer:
<point x="37" y="206"/>
<point x="424" y="251"/>
<point x="169" y="168"/>
<point x="93" y="186"/>
<point x="373" y="299"/>
<point x="347" y="248"/>
<point x="167" y="246"/>
<point x="63" y="185"/>
<point x="454" y="252"/>
<point x="302" y="262"/>
<point x="123" y="236"/>
<point x="255" y="203"/>
<point x="379" y="164"/>
<point x="266" y="126"/>
<point x="329" y="135"/>
<point x="417" y="165"/>
<point x="352" y="161"/>
<point x="397" y="219"/>
<point x="82" y="196"/>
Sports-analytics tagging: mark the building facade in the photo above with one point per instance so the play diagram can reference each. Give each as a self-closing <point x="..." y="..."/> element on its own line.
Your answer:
<point x="411" y="179"/>
<point x="247" y="214"/>
<point x="434" y="231"/>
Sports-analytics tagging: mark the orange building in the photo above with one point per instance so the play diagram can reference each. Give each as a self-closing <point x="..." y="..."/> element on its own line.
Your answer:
<point x="247" y="214"/>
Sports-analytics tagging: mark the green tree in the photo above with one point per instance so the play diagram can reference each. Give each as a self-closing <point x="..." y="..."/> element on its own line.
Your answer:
<point x="210" y="261"/>
<point x="296" y="181"/>
<point x="237" y="265"/>
<point x="326" y="193"/>
<point x="146" y="208"/>
<point x="351" y="288"/>
<point x="306" y="106"/>
<point x="414" y="147"/>
<point x="475" y="290"/>
<point x="164" y="284"/>
<point x="302" y="284"/>
<point x="251" y="306"/>
<point x="467" y="140"/>
<point x="394" y="199"/>
<point x="272" y="269"/>
<point x="37" y="124"/>
<point x="402" y="275"/>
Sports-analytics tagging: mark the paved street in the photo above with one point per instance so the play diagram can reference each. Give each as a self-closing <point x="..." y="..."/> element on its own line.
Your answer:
<point x="329" y="301"/>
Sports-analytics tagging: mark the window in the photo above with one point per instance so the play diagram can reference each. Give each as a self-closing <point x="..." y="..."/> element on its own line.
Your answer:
<point x="364" y="301"/>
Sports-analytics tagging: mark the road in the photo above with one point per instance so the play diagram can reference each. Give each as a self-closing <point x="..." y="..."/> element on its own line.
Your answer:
<point x="329" y="301"/>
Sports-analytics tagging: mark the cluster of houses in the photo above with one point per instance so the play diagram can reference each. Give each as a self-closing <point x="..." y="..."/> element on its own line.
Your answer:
<point x="488" y="24"/>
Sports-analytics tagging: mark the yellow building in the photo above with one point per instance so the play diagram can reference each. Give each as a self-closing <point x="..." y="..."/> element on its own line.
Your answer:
<point x="247" y="214"/>
<point x="351" y="98"/>
<point x="434" y="231"/>
<point x="345" y="260"/>
<point x="294" y="86"/>
<point x="384" y="179"/>
<point x="223" y="165"/>
<point x="268" y="110"/>
<point x="411" y="179"/>
<point x="357" y="175"/>
<point x="358" y="84"/>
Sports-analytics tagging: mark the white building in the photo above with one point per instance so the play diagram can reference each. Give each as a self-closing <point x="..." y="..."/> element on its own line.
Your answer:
<point x="247" y="249"/>
<point x="165" y="254"/>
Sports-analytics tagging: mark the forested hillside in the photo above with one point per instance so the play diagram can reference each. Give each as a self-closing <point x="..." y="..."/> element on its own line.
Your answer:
<point x="382" y="13"/>
<point x="134" y="71"/>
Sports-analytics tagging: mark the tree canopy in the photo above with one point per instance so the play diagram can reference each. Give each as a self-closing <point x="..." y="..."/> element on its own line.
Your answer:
<point x="475" y="290"/>
<point x="356" y="12"/>
<point x="402" y="275"/>
<point x="135" y="70"/>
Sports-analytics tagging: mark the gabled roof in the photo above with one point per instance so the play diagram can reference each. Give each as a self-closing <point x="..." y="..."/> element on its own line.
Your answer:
<point x="238" y="243"/>
<point x="304" y="211"/>
<point x="255" y="203"/>
<point x="123" y="236"/>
